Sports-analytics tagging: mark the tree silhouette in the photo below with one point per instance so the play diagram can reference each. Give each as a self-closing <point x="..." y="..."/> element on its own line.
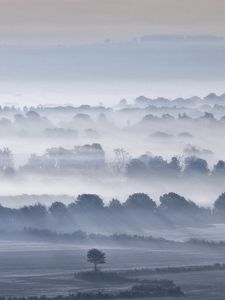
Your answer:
<point x="96" y="257"/>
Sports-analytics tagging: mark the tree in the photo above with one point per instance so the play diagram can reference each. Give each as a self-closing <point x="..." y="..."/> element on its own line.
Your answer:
<point x="219" y="168"/>
<point x="136" y="167"/>
<point x="6" y="159"/>
<point x="89" y="202"/>
<point x="219" y="205"/>
<point x="121" y="159"/>
<point x="140" y="201"/>
<point x="58" y="210"/>
<point x="175" y="202"/>
<point x="96" y="257"/>
<point x="115" y="205"/>
<point x="195" y="165"/>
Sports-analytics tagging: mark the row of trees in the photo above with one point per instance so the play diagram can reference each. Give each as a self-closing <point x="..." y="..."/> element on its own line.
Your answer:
<point x="207" y="117"/>
<point x="157" y="166"/>
<point x="88" y="211"/>
<point x="33" y="116"/>
<point x="210" y="99"/>
<point x="137" y="201"/>
<point x="93" y="156"/>
<point x="86" y="156"/>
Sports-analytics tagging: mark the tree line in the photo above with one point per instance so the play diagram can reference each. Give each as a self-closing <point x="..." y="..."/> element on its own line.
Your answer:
<point x="89" y="211"/>
<point x="92" y="159"/>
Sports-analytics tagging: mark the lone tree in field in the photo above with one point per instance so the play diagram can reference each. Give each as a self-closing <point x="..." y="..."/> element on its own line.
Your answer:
<point x="96" y="257"/>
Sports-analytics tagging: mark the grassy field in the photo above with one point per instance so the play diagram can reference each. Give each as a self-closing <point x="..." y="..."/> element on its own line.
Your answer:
<point x="207" y="285"/>
<point x="48" y="269"/>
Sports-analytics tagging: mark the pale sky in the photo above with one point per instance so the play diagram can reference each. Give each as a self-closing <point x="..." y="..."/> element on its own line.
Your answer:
<point x="75" y="21"/>
<point x="107" y="72"/>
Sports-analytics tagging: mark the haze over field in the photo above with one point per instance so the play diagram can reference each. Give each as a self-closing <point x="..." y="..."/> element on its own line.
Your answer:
<point x="112" y="152"/>
<point x="173" y="66"/>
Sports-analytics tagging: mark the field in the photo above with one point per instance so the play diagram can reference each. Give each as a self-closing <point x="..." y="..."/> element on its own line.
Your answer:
<point x="37" y="269"/>
<point x="208" y="285"/>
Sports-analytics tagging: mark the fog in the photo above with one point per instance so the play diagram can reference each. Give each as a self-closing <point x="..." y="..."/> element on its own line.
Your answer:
<point x="146" y="145"/>
<point x="154" y="65"/>
<point x="112" y="152"/>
